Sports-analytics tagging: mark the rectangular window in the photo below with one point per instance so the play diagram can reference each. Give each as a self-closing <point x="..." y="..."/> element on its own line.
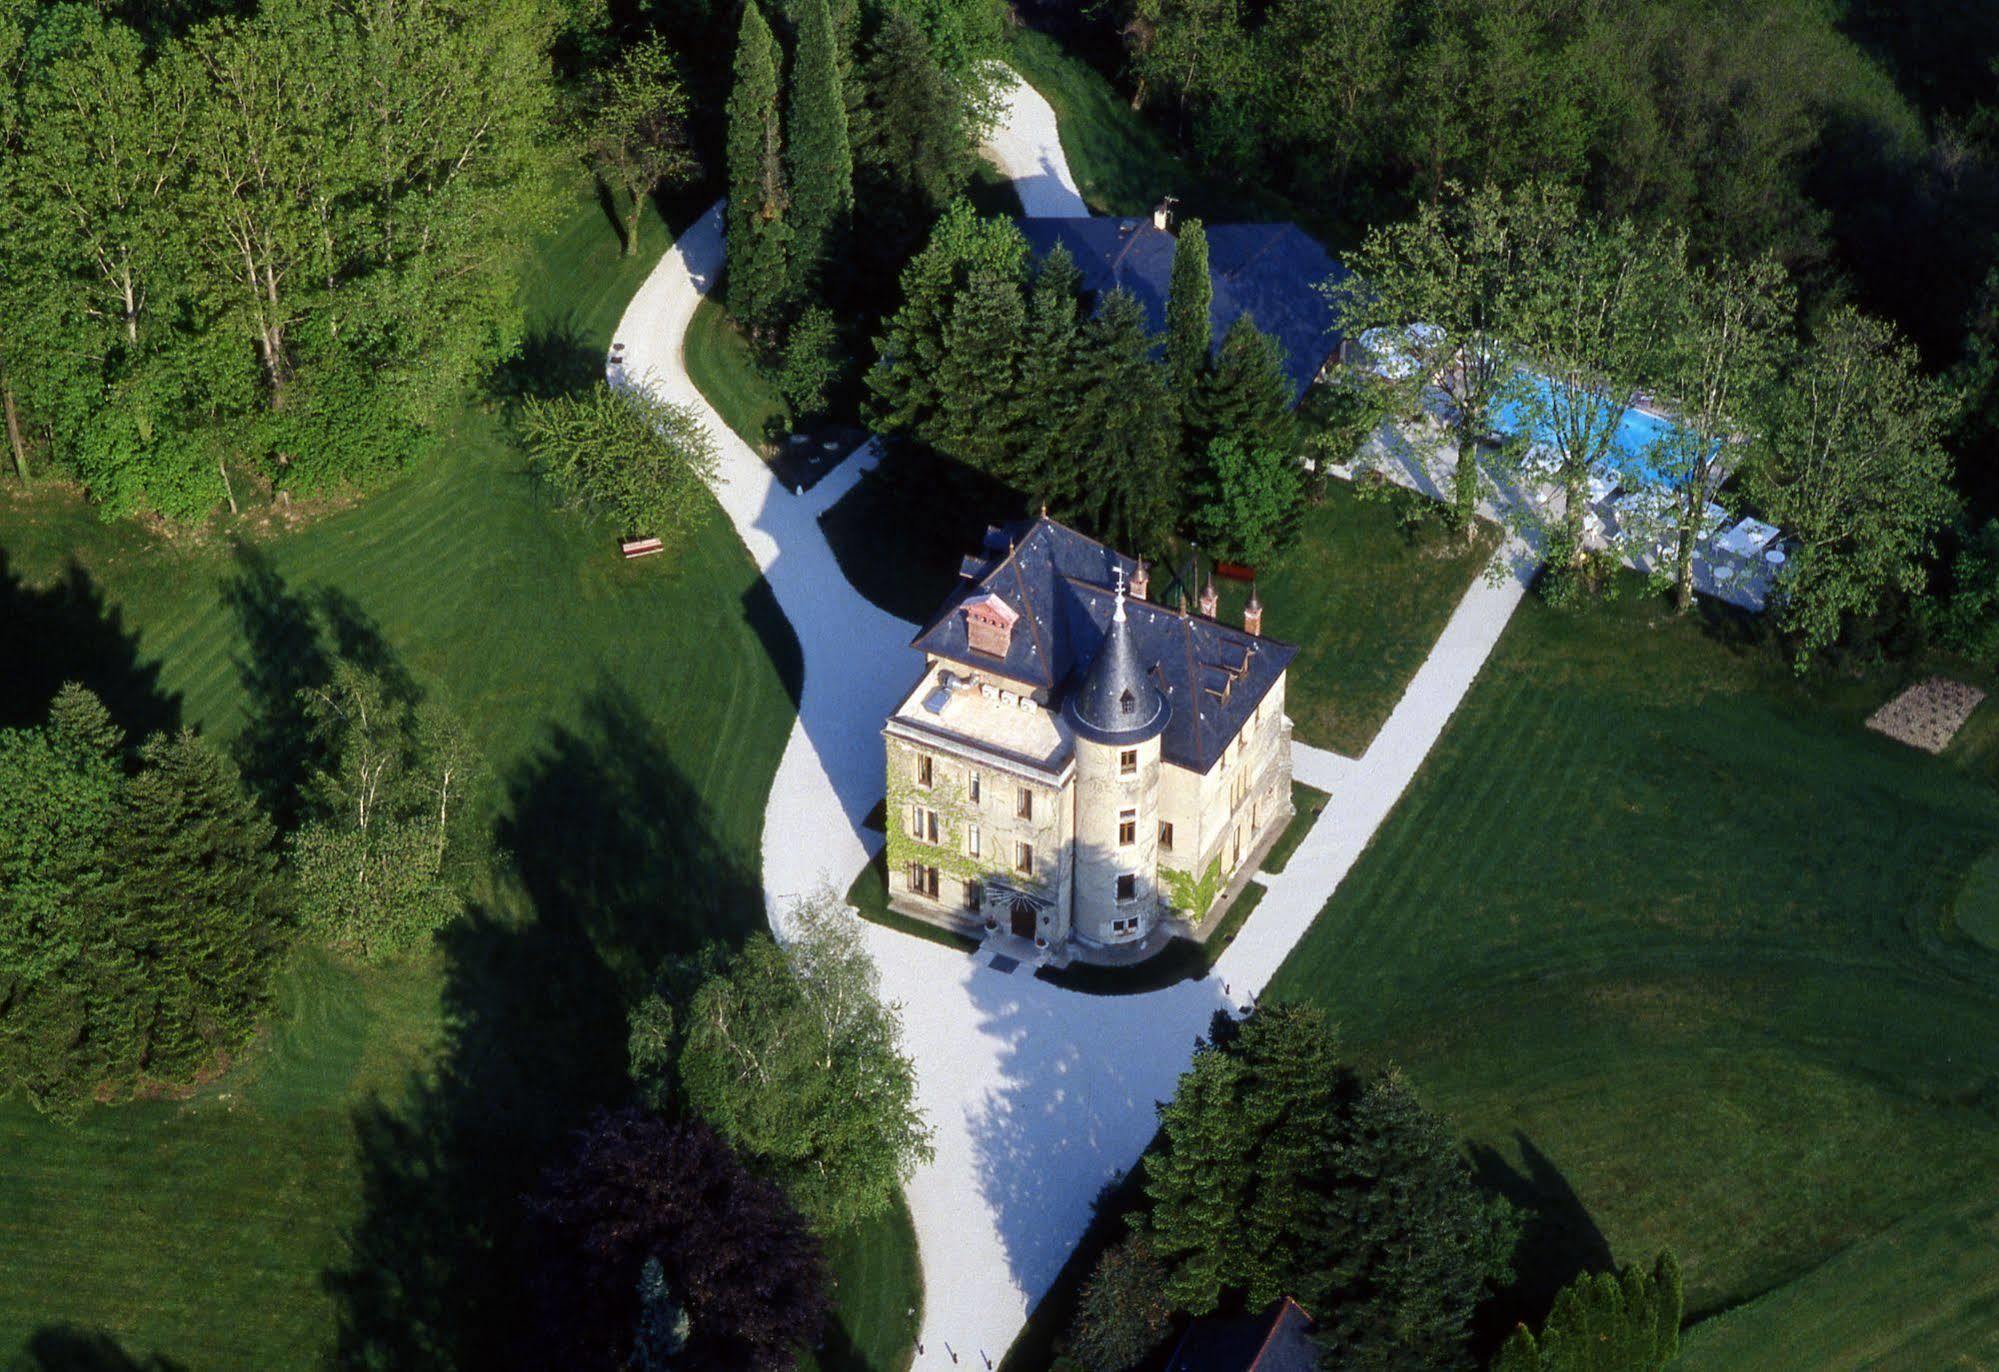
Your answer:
<point x="1127" y="828"/>
<point x="1023" y="858"/>
<point x="1127" y="887"/>
<point x="923" y="880"/>
<point x="925" y="772"/>
<point x="1127" y="761"/>
<point x="1026" y="806"/>
<point x="923" y="824"/>
<point x="1165" y="836"/>
<point x="971" y="840"/>
<point x="971" y="895"/>
<point x="975" y="788"/>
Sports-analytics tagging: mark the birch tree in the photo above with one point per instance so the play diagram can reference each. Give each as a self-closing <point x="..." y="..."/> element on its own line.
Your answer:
<point x="1730" y="331"/>
<point x="793" y="1056"/>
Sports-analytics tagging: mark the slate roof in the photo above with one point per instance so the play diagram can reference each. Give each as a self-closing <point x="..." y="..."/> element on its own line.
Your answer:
<point x="1117" y="701"/>
<point x="1269" y="271"/>
<point x="1279" y="1340"/>
<point x="1211" y="675"/>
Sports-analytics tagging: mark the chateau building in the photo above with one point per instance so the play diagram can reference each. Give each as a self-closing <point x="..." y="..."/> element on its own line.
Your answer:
<point x="1076" y="764"/>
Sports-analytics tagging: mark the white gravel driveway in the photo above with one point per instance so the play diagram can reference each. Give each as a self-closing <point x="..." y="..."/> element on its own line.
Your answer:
<point x="1039" y="1096"/>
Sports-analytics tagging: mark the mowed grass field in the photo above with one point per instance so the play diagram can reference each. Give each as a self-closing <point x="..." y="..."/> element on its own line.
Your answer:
<point x="350" y="1191"/>
<point x="1674" y="941"/>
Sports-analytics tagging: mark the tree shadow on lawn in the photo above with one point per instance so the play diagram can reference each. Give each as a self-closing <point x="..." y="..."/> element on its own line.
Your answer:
<point x="614" y="865"/>
<point x="66" y="632"/>
<point x="554" y="360"/>
<point x="291" y="641"/>
<point x="66" y="1348"/>
<point x="1558" y="1240"/>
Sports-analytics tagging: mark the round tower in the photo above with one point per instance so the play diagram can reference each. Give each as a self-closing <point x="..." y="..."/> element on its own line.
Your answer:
<point x="1117" y="713"/>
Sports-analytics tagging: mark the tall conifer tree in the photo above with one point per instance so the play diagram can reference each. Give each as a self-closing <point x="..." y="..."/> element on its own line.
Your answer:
<point x="757" y="228"/>
<point x="1189" y="335"/>
<point x="1245" y="394"/>
<point x="820" y="155"/>
<point x="1047" y="355"/>
<point x="1125" y="482"/>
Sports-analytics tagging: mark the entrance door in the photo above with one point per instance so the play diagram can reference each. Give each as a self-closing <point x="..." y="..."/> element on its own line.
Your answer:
<point x="1023" y="919"/>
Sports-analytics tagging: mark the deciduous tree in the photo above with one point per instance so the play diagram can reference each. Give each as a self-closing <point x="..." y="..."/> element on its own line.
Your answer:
<point x="1246" y="501"/>
<point x="380" y="861"/>
<point x="627" y="456"/>
<point x="1122" y="1312"/>
<point x="1731" y="326"/>
<point x="793" y="1056"/>
<point x="639" y="1189"/>
<point x="636" y="129"/>
<point x="1854" y="472"/>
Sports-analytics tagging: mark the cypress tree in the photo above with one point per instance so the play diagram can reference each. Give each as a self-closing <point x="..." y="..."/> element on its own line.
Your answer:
<point x="1189" y="334"/>
<point x="1245" y="394"/>
<point x="819" y="154"/>
<point x="757" y="228"/>
<point x="1627" y="1321"/>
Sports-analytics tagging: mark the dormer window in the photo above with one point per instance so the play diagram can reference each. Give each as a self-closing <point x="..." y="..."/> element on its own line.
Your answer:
<point x="1127" y="702"/>
<point x="989" y="625"/>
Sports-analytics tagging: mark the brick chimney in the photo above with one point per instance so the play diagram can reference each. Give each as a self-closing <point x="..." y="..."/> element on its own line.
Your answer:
<point x="1252" y="614"/>
<point x="1209" y="600"/>
<point x="1140" y="581"/>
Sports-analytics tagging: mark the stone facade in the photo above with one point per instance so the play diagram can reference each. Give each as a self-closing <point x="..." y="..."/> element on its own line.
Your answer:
<point x="1058" y="812"/>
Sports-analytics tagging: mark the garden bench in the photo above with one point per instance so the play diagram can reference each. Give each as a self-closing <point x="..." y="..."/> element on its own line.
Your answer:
<point x="640" y="547"/>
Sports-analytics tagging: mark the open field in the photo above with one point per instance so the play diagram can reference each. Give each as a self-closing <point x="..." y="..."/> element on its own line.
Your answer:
<point x="350" y="1192"/>
<point x="1671" y="938"/>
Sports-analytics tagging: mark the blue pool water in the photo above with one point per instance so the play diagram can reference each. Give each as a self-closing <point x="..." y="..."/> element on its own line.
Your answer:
<point x="1638" y="433"/>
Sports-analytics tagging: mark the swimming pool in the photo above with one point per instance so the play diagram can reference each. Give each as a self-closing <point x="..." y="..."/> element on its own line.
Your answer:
<point x="1638" y="434"/>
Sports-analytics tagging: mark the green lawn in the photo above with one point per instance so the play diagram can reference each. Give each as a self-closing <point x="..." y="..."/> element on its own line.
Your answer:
<point x="1671" y="938"/>
<point x="723" y="369"/>
<point x="1307" y="804"/>
<point x="1364" y="596"/>
<point x="350" y="1190"/>
<point x="1120" y="162"/>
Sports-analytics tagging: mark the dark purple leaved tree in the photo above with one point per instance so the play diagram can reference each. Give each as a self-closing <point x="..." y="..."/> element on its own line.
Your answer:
<point x="735" y="1254"/>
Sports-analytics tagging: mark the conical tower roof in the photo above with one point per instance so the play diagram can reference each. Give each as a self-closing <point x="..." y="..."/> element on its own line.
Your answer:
<point x="1116" y="701"/>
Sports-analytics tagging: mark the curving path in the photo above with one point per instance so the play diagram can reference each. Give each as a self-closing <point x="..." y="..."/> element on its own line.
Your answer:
<point x="1038" y="1096"/>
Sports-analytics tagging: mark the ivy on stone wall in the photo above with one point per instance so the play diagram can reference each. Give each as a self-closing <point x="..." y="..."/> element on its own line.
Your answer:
<point x="948" y="854"/>
<point x="1193" y="897"/>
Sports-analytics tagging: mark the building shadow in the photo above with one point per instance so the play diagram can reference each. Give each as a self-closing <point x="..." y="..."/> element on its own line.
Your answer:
<point x="1071" y="1112"/>
<point x="1558" y="1240"/>
<point x="67" y="631"/>
<point x="66" y="1348"/>
<point x="614" y="864"/>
